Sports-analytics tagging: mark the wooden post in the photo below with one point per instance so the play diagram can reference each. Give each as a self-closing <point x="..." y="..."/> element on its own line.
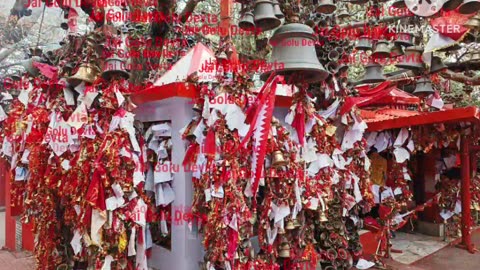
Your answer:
<point x="465" y="195"/>
<point x="226" y="7"/>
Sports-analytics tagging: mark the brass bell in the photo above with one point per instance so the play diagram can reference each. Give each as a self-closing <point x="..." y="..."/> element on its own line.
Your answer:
<point x="381" y="50"/>
<point x="247" y="22"/>
<point x="86" y="73"/>
<point x="278" y="12"/>
<point x="284" y="250"/>
<point x="399" y="4"/>
<point x="278" y="160"/>
<point x="437" y="65"/>
<point x="281" y="231"/>
<point x="373" y="74"/>
<point x="114" y="67"/>
<point x="423" y="87"/>
<point x="197" y="107"/>
<point x="451" y="4"/>
<point x="404" y="39"/>
<point x="469" y="7"/>
<point x="264" y="14"/>
<point x="296" y="223"/>
<point x="412" y="60"/>
<point x="326" y="7"/>
<point x="364" y="43"/>
<point x="473" y="22"/>
<point x="290" y="225"/>
<point x="294" y="54"/>
<point x="323" y="217"/>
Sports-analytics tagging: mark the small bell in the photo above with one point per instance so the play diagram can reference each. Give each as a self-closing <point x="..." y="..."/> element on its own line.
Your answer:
<point x="343" y="14"/>
<point x="278" y="12"/>
<point x="469" y="7"/>
<point x="114" y="67"/>
<point x="281" y="231"/>
<point x="284" y="250"/>
<point x="381" y="50"/>
<point x="247" y="22"/>
<point x="332" y="67"/>
<point x="296" y="223"/>
<point x="423" y="87"/>
<point x="86" y="73"/>
<point x="264" y="14"/>
<point x="197" y="107"/>
<point x="278" y="160"/>
<point x="326" y="7"/>
<point x="323" y="217"/>
<point x="333" y="55"/>
<point x="364" y="43"/>
<point x="290" y="225"/>
<point x="437" y="65"/>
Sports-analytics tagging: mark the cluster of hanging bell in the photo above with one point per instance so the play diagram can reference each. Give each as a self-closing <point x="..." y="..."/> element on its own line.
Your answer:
<point x="266" y="16"/>
<point x="89" y="70"/>
<point x="294" y="43"/>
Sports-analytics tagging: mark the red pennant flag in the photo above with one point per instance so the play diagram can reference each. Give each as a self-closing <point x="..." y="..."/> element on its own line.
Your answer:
<point x="209" y="145"/>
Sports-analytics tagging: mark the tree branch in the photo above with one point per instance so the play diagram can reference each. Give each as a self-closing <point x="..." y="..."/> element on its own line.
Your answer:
<point x="188" y="10"/>
<point x="459" y="77"/>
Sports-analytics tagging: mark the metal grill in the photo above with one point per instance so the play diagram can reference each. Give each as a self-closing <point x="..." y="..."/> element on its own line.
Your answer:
<point x="18" y="234"/>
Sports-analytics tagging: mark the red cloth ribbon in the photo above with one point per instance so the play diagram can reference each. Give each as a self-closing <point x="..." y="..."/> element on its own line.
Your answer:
<point x="46" y="70"/>
<point x="299" y="123"/>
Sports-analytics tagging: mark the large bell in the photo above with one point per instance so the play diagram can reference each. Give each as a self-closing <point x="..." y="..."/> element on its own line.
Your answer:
<point x="364" y="43"/>
<point x="294" y="54"/>
<point x="451" y="4"/>
<point x="278" y="12"/>
<point x="278" y="160"/>
<point x="114" y="67"/>
<point x="373" y="74"/>
<point x="396" y="50"/>
<point x="437" y="65"/>
<point x="86" y="73"/>
<point x="423" y="87"/>
<point x="469" y="7"/>
<point x="381" y="50"/>
<point x="247" y="22"/>
<point x="264" y="14"/>
<point x="412" y="60"/>
<point x="326" y="7"/>
<point x="404" y="39"/>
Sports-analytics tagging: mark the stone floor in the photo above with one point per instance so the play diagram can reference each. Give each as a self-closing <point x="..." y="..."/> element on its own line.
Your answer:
<point x="16" y="261"/>
<point x="447" y="258"/>
<point x="415" y="246"/>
